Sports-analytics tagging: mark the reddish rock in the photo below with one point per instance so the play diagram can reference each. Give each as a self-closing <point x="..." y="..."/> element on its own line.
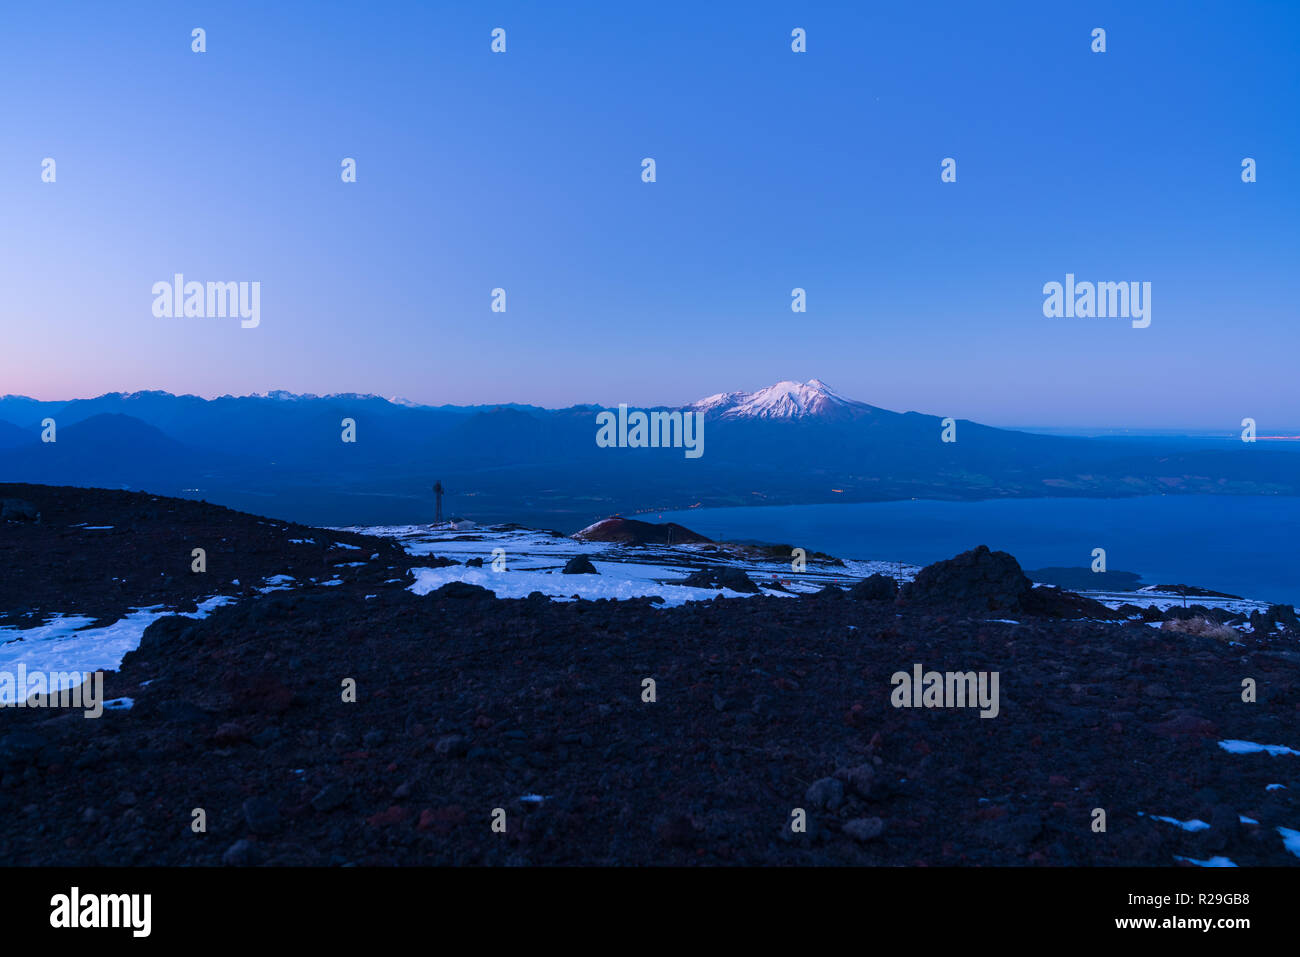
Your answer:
<point x="394" y="815"/>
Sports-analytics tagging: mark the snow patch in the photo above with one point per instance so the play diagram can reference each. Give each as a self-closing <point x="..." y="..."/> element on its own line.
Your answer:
<point x="1290" y="840"/>
<point x="520" y="584"/>
<point x="1234" y="746"/>
<point x="1194" y="825"/>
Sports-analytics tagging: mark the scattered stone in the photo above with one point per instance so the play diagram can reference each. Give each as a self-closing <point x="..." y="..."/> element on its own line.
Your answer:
<point x="331" y="796"/>
<point x="240" y="854"/>
<point x="18" y="510"/>
<point x="721" y="577"/>
<point x="262" y="815"/>
<point x="229" y="733"/>
<point x="452" y="745"/>
<point x="863" y="829"/>
<point x="1189" y="723"/>
<point x="858" y="779"/>
<point x="20" y="747"/>
<point x="579" y="565"/>
<point x="825" y="794"/>
<point x="394" y="815"/>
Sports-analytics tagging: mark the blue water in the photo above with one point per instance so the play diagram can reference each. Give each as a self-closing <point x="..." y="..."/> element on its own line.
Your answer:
<point x="1245" y="545"/>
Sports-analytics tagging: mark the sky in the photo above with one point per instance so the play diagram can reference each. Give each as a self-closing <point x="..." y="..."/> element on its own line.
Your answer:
<point x="522" y="170"/>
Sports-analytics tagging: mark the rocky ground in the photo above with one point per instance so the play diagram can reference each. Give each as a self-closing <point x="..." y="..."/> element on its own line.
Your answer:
<point x="466" y="704"/>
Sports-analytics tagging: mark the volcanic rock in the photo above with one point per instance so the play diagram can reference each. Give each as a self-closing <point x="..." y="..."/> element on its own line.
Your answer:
<point x="579" y="565"/>
<point x="721" y="577"/>
<point x="18" y="510"/>
<point x="977" y="580"/>
<point x="876" y="588"/>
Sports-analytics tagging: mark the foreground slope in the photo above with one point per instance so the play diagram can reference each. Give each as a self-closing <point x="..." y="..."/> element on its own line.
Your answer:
<point x="466" y="703"/>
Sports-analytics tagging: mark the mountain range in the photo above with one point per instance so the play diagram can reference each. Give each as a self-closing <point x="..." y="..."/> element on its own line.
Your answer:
<point x="283" y="454"/>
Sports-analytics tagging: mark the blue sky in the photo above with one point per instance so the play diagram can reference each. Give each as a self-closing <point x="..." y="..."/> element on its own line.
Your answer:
<point x="775" y="170"/>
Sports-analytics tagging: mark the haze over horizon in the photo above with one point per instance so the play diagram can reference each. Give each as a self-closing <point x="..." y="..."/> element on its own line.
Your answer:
<point x="775" y="170"/>
<point x="1276" y="431"/>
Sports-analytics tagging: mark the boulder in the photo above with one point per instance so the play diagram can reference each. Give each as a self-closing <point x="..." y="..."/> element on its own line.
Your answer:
<point x="463" y="590"/>
<point x="261" y="815"/>
<point x="977" y="580"/>
<point x="863" y="829"/>
<point x="579" y="565"/>
<point x="876" y="588"/>
<point x="827" y="591"/>
<point x="163" y="630"/>
<point x="825" y="794"/>
<point x="721" y="577"/>
<point x="18" y="510"/>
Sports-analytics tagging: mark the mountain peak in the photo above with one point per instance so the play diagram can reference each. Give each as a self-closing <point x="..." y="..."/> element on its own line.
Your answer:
<point x="784" y="400"/>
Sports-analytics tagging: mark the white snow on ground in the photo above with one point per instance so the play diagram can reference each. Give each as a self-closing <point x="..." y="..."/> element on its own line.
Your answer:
<point x="520" y="584"/>
<point x="1275" y="787"/>
<point x="119" y="704"/>
<point x="1246" y="820"/>
<point x="1195" y="824"/>
<point x="1142" y="598"/>
<point x="66" y="644"/>
<point x="1290" y="840"/>
<point x="276" y="583"/>
<point x="1250" y="747"/>
<point x="532" y="550"/>
<point x="533" y="560"/>
<point x="1212" y="862"/>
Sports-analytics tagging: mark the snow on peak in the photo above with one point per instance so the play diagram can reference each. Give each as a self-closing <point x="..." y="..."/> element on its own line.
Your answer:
<point x="784" y="400"/>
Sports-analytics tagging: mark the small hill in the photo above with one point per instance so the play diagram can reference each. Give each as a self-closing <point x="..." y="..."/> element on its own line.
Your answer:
<point x="630" y="531"/>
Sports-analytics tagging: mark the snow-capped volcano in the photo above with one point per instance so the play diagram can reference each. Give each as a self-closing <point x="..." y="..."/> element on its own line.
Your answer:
<point x="785" y="400"/>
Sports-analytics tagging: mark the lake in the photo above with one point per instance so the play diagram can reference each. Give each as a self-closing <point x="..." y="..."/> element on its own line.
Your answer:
<point x="1245" y="545"/>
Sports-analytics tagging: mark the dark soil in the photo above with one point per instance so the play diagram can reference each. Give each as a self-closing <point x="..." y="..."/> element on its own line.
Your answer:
<point x="466" y="704"/>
